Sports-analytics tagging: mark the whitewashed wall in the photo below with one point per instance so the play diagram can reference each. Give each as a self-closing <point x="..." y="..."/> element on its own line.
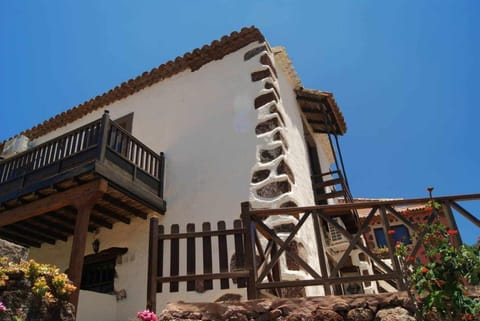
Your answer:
<point x="205" y="122"/>
<point x="205" y="125"/>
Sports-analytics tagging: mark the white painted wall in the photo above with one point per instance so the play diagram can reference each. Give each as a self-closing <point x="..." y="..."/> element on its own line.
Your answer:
<point x="205" y="123"/>
<point x="98" y="306"/>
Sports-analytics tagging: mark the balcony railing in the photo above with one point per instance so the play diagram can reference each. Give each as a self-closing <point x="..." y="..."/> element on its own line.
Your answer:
<point x="101" y="141"/>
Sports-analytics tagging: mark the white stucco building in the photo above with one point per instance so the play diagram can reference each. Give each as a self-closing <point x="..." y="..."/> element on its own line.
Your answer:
<point x="234" y="124"/>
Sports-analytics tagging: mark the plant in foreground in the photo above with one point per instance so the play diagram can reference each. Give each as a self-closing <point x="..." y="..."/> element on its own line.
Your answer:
<point x="438" y="288"/>
<point x="147" y="315"/>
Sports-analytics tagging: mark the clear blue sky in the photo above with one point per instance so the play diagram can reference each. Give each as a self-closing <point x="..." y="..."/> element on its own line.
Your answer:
<point x="406" y="74"/>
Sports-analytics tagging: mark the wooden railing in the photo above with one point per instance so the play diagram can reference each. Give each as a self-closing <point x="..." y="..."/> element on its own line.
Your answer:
<point x="327" y="275"/>
<point x="101" y="140"/>
<point x="258" y="248"/>
<point x="124" y="144"/>
<point x="51" y="152"/>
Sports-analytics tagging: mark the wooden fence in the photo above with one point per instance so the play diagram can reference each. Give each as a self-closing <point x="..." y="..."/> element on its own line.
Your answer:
<point x="258" y="247"/>
<point x="177" y="247"/>
<point x="328" y="273"/>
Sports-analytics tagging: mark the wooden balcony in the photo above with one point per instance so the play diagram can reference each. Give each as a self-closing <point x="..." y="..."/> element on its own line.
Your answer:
<point x="56" y="174"/>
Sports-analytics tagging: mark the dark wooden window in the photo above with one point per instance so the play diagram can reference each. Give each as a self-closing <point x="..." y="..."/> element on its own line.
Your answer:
<point x="99" y="270"/>
<point x="125" y="122"/>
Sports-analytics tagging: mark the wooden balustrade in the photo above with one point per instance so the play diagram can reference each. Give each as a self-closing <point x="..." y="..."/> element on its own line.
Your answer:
<point x="101" y="141"/>
<point x="328" y="275"/>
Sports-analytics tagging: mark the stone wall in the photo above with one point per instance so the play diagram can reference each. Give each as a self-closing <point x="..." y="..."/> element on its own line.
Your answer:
<point x="15" y="253"/>
<point x="379" y="307"/>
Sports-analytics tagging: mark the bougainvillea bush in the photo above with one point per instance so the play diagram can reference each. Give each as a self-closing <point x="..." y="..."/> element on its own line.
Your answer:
<point x="439" y="287"/>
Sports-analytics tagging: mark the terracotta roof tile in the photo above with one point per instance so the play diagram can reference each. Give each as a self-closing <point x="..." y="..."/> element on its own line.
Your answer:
<point x="192" y="60"/>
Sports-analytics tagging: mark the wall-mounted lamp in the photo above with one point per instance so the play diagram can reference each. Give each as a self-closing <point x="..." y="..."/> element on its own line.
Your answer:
<point x="95" y="245"/>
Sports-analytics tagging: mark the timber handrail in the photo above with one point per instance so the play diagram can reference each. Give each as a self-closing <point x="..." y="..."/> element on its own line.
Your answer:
<point x="49" y="152"/>
<point x="333" y="208"/>
<point x="133" y="150"/>
<point x="384" y="213"/>
<point x="95" y="138"/>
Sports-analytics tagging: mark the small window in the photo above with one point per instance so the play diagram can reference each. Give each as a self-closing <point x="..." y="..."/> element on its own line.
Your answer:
<point x="99" y="270"/>
<point x="401" y="235"/>
<point x="125" y="122"/>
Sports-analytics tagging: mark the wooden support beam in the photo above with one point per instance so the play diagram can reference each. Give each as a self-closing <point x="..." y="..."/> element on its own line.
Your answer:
<point x="152" y="265"/>
<point x="250" y="251"/>
<point x="452" y="224"/>
<point x="31" y="225"/>
<point x="107" y="212"/>
<point x="18" y="239"/>
<point x="465" y="213"/>
<point x="42" y="224"/>
<point x="83" y="204"/>
<point x="50" y="203"/>
<point x="124" y="206"/>
<point x="23" y="230"/>
<point x="66" y="220"/>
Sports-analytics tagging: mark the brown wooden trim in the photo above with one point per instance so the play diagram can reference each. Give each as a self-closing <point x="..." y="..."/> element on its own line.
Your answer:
<point x="83" y="203"/>
<point x="105" y="255"/>
<point x="20" y="230"/>
<point x="122" y="205"/>
<point x="345" y="233"/>
<point x="354" y="241"/>
<point x="223" y="255"/>
<point x="191" y="256"/>
<point x="207" y="255"/>
<point x="152" y="265"/>
<point x="174" y="258"/>
<point x="452" y="224"/>
<point x="51" y="203"/>
<point x="212" y="276"/>
<point x="390" y="244"/>
<point x="18" y="239"/>
<point x="107" y="212"/>
<point x="283" y="245"/>
<point x="334" y="209"/>
<point x="201" y="234"/>
<point x="465" y="213"/>
<point x="325" y="281"/>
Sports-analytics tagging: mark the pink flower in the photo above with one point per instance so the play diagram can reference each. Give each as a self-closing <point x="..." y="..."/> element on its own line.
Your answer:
<point x="3" y="308"/>
<point x="147" y="315"/>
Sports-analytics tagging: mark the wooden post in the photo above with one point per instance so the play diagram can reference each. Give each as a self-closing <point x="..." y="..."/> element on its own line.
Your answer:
<point x="83" y="204"/>
<point x="103" y="137"/>
<point x="161" y="174"/>
<point x="391" y="247"/>
<point x="250" y="262"/>
<point x="320" y="251"/>
<point x="452" y="224"/>
<point x="152" y="265"/>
